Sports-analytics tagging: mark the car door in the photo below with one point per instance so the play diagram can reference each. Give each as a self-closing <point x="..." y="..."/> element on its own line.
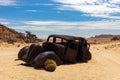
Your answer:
<point x="71" y="52"/>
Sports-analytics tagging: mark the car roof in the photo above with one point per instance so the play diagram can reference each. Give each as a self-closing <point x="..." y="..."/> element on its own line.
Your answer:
<point x="66" y="37"/>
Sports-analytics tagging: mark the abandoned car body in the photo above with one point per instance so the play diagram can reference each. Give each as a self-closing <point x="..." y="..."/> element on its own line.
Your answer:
<point x="69" y="49"/>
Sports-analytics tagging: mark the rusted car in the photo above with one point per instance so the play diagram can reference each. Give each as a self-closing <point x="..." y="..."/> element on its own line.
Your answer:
<point x="68" y="48"/>
<point x="65" y="49"/>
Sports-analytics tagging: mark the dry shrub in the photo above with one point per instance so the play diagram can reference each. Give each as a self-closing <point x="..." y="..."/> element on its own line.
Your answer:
<point x="50" y="65"/>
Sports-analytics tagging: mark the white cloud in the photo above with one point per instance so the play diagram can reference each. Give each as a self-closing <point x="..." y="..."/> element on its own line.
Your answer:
<point x="32" y="28"/>
<point x="66" y="26"/>
<point x="52" y="23"/>
<point x="32" y="10"/>
<point x="97" y="8"/>
<point x="8" y="2"/>
<point x="4" y="22"/>
<point x="39" y="4"/>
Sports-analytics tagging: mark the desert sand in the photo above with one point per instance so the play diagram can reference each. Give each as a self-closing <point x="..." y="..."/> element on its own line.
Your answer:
<point x="105" y="65"/>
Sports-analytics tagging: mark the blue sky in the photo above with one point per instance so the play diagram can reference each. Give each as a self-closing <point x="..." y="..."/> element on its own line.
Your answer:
<point x="73" y="17"/>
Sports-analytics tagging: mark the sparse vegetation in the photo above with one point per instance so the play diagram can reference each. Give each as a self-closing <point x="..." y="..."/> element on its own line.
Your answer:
<point x="50" y="65"/>
<point x="10" y="41"/>
<point x="95" y="41"/>
<point x="115" y="38"/>
<point x="28" y="37"/>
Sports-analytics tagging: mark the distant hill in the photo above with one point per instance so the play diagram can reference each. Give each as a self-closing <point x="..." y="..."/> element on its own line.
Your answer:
<point x="106" y="36"/>
<point x="7" y="34"/>
<point x="103" y="38"/>
<point x="11" y="36"/>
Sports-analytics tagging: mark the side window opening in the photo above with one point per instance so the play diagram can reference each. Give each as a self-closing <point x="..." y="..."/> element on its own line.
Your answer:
<point x="61" y="41"/>
<point x="50" y="39"/>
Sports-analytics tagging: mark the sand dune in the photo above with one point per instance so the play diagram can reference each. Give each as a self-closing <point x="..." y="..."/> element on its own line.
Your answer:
<point x="105" y="65"/>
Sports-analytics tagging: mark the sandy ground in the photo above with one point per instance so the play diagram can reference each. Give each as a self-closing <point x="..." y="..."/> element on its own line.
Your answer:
<point x="105" y="65"/>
